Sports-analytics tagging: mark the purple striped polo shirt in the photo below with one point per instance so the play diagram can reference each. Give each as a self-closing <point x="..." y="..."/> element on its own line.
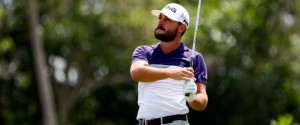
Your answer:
<point x="180" y="57"/>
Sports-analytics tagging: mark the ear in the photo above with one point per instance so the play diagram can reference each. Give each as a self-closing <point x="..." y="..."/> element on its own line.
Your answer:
<point x="182" y="28"/>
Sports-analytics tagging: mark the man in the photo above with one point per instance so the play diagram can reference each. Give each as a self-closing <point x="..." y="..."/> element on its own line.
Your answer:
<point x="164" y="73"/>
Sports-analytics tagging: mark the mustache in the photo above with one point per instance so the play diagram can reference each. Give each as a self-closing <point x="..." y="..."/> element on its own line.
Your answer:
<point x="160" y="27"/>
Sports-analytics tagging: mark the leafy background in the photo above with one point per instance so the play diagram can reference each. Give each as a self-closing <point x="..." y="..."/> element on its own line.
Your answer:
<point x="251" y="48"/>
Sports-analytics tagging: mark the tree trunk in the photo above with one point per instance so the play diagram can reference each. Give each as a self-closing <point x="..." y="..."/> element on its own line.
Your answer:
<point x="41" y="71"/>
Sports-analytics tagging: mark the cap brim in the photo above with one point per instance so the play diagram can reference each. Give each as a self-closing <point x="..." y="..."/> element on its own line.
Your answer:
<point x="155" y="12"/>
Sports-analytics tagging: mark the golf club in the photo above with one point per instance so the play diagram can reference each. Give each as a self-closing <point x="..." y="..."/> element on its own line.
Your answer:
<point x="195" y="33"/>
<point x="195" y="36"/>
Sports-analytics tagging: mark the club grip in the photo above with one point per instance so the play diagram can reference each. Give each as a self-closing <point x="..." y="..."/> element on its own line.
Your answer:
<point x="192" y="62"/>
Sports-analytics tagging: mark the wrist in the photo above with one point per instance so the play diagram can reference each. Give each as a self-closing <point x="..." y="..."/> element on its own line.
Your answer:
<point x="167" y="73"/>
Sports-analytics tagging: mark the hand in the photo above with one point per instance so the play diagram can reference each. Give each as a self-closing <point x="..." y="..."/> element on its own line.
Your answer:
<point x="181" y="73"/>
<point x="190" y="90"/>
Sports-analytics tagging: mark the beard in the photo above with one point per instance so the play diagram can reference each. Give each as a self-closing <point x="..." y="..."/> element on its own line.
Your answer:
<point x="167" y="35"/>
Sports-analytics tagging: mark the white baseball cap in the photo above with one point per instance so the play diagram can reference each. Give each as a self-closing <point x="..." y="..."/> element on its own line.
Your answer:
<point x="175" y="12"/>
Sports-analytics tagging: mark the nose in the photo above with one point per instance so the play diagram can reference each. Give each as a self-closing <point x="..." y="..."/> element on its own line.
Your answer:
<point x="160" y="21"/>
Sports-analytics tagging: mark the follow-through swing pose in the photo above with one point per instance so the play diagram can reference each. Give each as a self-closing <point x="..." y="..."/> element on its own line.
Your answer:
<point x="169" y="73"/>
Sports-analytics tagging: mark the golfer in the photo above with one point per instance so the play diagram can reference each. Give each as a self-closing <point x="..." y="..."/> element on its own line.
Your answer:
<point x="166" y="82"/>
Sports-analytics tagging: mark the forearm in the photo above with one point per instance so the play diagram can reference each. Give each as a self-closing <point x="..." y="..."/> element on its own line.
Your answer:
<point x="140" y="71"/>
<point x="200" y="102"/>
<point x="148" y="74"/>
<point x="200" y="99"/>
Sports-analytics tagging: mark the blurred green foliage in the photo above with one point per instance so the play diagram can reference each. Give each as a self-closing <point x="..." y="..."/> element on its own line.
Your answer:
<point x="251" y="49"/>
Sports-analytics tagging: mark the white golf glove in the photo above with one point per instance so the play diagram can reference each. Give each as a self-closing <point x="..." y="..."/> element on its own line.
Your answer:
<point x="189" y="90"/>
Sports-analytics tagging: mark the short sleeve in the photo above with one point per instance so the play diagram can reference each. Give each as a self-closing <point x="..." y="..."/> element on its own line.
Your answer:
<point x="140" y="53"/>
<point x="200" y="69"/>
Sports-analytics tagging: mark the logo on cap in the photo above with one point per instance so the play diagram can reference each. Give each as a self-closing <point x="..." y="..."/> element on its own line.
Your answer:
<point x="175" y="12"/>
<point x="173" y="9"/>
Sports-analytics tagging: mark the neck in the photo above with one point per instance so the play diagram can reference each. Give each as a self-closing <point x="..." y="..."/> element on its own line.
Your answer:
<point x="168" y="47"/>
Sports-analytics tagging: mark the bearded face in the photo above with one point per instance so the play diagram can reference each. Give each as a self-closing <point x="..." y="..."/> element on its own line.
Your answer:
<point x="165" y="35"/>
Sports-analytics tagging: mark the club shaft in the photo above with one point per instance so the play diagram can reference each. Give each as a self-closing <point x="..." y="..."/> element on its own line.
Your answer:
<point x="195" y="33"/>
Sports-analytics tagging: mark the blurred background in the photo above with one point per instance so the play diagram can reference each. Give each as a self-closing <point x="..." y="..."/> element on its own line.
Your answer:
<point x="66" y="62"/>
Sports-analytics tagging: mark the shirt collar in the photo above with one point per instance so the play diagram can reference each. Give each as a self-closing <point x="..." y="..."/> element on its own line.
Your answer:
<point x="180" y="49"/>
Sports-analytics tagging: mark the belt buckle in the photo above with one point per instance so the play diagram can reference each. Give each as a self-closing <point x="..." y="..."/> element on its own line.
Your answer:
<point x="142" y="122"/>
